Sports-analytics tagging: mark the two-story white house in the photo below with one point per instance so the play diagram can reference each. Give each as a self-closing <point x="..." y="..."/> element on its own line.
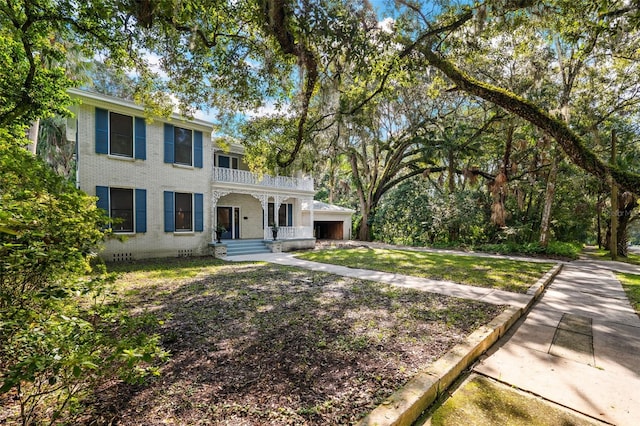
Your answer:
<point x="167" y="187"/>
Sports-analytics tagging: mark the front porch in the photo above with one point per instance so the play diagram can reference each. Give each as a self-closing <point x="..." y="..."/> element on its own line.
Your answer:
<point x="252" y="215"/>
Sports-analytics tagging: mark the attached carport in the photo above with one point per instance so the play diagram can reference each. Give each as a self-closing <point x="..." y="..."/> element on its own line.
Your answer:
<point x="330" y="222"/>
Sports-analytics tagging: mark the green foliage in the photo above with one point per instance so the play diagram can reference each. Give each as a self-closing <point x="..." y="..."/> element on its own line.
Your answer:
<point x="31" y="89"/>
<point x="61" y="332"/>
<point x="553" y="249"/>
<point x="415" y="214"/>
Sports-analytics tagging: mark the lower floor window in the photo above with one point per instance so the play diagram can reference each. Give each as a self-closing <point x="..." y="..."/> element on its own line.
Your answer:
<point x="126" y="207"/>
<point x="183" y="212"/>
<point x="122" y="209"/>
<point x="285" y="214"/>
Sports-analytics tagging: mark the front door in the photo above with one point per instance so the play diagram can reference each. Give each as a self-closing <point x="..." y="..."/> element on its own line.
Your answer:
<point x="229" y="217"/>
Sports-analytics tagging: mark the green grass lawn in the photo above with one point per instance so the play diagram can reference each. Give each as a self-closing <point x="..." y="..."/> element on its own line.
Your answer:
<point x="601" y="254"/>
<point x="631" y="286"/>
<point x="504" y="274"/>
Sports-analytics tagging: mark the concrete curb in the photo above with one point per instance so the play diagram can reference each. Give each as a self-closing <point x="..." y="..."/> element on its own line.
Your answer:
<point x="537" y="289"/>
<point x="404" y="406"/>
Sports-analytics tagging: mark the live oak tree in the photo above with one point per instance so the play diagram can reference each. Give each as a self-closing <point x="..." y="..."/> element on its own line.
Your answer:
<point x="432" y="49"/>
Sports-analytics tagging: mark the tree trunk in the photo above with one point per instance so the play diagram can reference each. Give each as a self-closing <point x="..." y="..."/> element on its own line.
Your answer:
<point x="627" y="203"/>
<point x="32" y="135"/>
<point x="545" y="222"/>
<point x="599" y="211"/>
<point x="614" y="203"/>
<point x="454" y="228"/>
<point x="621" y="237"/>
<point x="364" y="232"/>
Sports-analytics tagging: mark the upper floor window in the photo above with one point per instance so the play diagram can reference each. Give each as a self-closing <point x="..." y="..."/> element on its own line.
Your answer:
<point x="120" y="134"/>
<point x="227" y="162"/>
<point x="127" y="208"/>
<point x="182" y="146"/>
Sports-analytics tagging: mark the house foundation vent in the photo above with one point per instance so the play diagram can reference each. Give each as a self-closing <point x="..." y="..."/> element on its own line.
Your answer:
<point x="185" y="253"/>
<point x="122" y="257"/>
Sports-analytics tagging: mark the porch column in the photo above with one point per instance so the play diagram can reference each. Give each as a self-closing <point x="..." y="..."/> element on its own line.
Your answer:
<point x="215" y="196"/>
<point x="265" y="220"/>
<point x="311" y="217"/>
<point x="276" y="208"/>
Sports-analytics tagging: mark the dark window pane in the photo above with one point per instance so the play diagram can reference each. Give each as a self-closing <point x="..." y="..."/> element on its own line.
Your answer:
<point x="223" y="161"/>
<point x="122" y="209"/>
<point x="183" y="141"/>
<point x="121" y="134"/>
<point x="183" y="212"/>
<point x="234" y="163"/>
<point x="270" y="215"/>
<point x="282" y="215"/>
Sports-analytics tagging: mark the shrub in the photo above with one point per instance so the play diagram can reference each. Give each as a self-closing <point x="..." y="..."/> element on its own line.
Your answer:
<point x="61" y="331"/>
<point x="553" y="249"/>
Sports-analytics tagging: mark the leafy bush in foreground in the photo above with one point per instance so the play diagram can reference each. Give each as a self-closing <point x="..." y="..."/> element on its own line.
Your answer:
<point x="61" y="334"/>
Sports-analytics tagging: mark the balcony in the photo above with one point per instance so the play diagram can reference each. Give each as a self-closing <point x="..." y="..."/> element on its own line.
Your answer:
<point x="221" y="174"/>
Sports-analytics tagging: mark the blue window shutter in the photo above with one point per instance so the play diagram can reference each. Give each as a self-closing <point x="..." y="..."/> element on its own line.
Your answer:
<point x="141" y="210"/>
<point x="197" y="149"/>
<point x="102" y="192"/>
<point x="140" y="138"/>
<point x="102" y="131"/>
<point x="168" y="143"/>
<point x="199" y="212"/>
<point x="169" y="219"/>
<point x="289" y="214"/>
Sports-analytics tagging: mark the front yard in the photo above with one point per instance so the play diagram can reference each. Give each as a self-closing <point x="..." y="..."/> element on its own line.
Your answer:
<point x="504" y="274"/>
<point x="257" y="344"/>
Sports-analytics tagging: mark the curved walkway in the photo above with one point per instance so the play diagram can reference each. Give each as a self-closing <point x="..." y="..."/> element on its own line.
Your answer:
<point x="578" y="346"/>
<point x="449" y="288"/>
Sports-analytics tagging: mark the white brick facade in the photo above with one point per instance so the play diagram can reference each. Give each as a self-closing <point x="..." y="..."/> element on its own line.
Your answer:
<point x="246" y="194"/>
<point x="151" y="174"/>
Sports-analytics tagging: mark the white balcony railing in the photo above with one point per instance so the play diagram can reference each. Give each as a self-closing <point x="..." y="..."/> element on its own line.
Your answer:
<point x="290" y="232"/>
<point x="221" y="174"/>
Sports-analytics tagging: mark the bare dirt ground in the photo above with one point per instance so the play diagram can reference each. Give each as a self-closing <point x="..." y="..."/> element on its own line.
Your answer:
<point x="260" y="344"/>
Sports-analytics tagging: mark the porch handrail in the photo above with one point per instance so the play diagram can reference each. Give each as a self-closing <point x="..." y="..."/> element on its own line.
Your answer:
<point x="289" y="232"/>
<point x="222" y="174"/>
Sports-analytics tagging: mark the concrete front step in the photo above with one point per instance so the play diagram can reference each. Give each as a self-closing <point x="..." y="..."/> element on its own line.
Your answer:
<point x="239" y="247"/>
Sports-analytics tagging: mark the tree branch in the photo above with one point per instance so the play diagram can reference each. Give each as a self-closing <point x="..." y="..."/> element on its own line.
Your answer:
<point x="570" y="142"/>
